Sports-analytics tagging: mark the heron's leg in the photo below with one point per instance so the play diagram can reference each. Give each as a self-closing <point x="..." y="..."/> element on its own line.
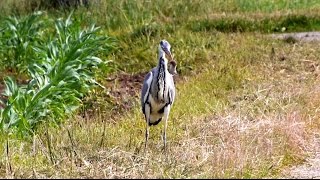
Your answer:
<point x="147" y="136"/>
<point x="166" y="116"/>
<point x="147" y="116"/>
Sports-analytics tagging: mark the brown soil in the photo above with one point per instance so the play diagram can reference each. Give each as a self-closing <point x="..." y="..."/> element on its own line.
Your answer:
<point x="310" y="169"/>
<point x="124" y="88"/>
<point x="302" y="36"/>
<point x="125" y="83"/>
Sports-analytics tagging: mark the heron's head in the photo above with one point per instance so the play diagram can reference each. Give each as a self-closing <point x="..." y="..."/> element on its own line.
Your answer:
<point x="165" y="47"/>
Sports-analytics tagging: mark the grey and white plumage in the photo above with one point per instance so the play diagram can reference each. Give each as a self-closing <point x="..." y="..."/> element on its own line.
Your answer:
<point x="158" y="91"/>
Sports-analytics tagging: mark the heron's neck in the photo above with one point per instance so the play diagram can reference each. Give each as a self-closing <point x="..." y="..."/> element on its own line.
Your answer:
<point x="161" y="78"/>
<point x="162" y="57"/>
<point x="162" y="64"/>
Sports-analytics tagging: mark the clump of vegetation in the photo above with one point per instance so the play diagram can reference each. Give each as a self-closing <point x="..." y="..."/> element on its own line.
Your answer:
<point x="18" y="37"/>
<point x="62" y="71"/>
<point x="290" y="39"/>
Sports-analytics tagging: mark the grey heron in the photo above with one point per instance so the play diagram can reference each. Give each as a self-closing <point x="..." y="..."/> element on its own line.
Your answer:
<point x="158" y="91"/>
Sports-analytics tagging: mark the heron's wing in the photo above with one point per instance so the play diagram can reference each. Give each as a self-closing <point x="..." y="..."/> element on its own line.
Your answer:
<point x="145" y="89"/>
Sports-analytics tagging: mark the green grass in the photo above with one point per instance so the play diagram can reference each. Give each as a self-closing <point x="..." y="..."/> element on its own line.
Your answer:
<point x="274" y="5"/>
<point x="240" y="112"/>
<point x="291" y="23"/>
<point x="139" y="25"/>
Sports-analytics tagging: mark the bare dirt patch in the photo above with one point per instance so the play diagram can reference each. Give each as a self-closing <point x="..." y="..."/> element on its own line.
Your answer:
<point x="123" y="87"/>
<point x="302" y="36"/>
<point x="309" y="170"/>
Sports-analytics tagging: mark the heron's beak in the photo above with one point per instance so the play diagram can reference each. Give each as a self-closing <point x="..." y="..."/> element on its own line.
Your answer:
<point x="169" y="55"/>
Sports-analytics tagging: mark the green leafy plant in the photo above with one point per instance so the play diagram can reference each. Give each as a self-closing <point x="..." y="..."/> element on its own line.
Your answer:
<point x="63" y="73"/>
<point x="18" y="36"/>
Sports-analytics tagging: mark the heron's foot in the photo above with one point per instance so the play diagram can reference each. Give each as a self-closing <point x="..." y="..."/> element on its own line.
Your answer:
<point x="164" y="149"/>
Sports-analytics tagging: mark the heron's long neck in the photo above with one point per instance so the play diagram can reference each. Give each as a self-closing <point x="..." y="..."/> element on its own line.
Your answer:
<point x="161" y="78"/>
<point x="162" y="69"/>
<point x="162" y="66"/>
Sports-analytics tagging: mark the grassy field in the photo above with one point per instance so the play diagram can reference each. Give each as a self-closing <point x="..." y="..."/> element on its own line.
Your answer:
<point x="246" y="105"/>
